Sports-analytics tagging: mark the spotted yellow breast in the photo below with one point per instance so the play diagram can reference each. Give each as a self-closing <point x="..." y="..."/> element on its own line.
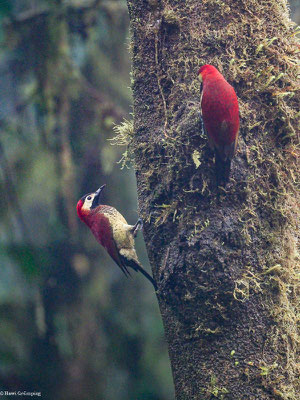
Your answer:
<point x="122" y="234"/>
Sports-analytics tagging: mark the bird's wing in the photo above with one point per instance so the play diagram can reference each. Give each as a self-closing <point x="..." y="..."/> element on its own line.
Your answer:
<point x="115" y="255"/>
<point x="230" y="149"/>
<point x="234" y="145"/>
<point x="226" y="150"/>
<point x="103" y="231"/>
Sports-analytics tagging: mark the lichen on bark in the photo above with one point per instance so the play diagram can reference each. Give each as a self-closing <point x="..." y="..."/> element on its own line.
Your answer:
<point x="226" y="269"/>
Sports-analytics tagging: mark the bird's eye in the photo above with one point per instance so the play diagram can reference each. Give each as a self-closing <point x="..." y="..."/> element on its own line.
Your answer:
<point x="89" y="197"/>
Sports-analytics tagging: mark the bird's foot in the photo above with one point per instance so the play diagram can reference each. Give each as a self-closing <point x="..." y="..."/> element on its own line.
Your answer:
<point x="137" y="227"/>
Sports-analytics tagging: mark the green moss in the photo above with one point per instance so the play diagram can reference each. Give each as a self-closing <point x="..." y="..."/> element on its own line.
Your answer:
<point x="123" y="136"/>
<point x="214" y="390"/>
<point x="170" y="17"/>
<point x="264" y="72"/>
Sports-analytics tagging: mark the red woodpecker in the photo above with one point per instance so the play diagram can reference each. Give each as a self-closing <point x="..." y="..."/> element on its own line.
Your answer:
<point x="112" y="232"/>
<point x="220" y="113"/>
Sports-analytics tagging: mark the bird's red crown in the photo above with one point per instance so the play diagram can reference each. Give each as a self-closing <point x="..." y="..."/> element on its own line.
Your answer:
<point x="208" y="69"/>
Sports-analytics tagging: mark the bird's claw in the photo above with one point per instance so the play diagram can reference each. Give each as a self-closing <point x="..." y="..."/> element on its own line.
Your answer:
<point x="138" y="226"/>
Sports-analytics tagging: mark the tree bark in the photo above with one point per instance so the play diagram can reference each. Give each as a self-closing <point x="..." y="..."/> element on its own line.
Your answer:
<point x="226" y="268"/>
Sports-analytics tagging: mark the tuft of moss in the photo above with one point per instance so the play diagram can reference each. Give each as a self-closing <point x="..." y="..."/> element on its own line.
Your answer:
<point x="123" y="137"/>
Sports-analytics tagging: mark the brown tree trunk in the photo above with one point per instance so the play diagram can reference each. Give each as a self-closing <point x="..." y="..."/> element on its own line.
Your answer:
<point x="226" y="269"/>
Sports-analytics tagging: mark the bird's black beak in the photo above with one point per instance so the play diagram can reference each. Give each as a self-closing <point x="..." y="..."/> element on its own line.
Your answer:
<point x="96" y="200"/>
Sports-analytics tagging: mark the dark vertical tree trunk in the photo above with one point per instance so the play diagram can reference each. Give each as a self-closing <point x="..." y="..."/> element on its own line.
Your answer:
<point x="226" y="269"/>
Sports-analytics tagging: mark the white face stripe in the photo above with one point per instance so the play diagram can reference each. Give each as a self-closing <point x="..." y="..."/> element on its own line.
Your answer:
<point x="88" y="202"/>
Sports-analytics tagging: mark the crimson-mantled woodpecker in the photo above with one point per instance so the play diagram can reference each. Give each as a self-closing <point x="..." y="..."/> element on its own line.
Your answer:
<point x="112" y="232"/>
<point x="220" y="113"/>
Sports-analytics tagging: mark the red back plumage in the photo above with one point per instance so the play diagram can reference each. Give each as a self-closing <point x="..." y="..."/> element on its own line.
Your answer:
<point x="220" y="111"/>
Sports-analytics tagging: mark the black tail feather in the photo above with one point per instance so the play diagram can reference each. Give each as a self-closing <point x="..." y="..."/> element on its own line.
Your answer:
<point x="222" y="170"/>
<point x="137" y="267"/>
<point x="125" y="270"/>
<point x="149" y="277"/>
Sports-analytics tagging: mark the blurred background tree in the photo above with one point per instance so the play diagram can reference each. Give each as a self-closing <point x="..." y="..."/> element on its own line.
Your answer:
<point x="72" y="326"/>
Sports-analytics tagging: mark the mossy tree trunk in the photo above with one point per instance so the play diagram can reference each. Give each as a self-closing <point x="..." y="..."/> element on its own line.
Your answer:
<point x="226" y="269"/>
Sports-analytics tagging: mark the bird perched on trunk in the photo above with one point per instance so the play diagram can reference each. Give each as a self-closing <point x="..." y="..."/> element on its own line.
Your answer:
<point x="112" y="232"/>
<point x="220" y="113"/>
